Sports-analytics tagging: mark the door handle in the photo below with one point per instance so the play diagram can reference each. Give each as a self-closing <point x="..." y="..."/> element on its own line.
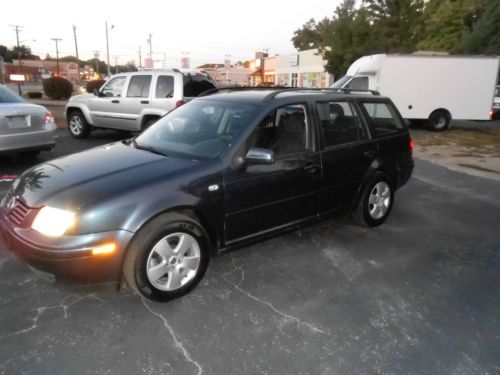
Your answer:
<point x="369" y="154"/>
<point x="115" y="101"/>
<point x="144" y="101"/>
<point x="311" y="167"/>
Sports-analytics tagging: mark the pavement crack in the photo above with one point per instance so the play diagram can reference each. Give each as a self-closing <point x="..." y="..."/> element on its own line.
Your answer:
<point x="285" y="316"/>
<point x="178" y="344"/>
<point x="40" y="311"/>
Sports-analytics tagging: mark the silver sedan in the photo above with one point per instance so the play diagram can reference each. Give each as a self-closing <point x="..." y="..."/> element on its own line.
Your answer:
<point x="24" y="126"/>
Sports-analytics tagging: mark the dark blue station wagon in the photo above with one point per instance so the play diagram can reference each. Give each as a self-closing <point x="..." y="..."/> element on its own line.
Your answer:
<point x="224" y="170"/>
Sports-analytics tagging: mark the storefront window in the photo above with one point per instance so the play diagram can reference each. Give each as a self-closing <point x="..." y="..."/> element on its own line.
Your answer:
<point x="294" y="79"/>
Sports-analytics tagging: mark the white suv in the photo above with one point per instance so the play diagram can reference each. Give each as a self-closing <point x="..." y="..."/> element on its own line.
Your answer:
<point x="134" y="101"/>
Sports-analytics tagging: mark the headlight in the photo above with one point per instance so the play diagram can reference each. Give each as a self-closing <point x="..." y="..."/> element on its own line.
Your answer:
<point x="53" y="222"/>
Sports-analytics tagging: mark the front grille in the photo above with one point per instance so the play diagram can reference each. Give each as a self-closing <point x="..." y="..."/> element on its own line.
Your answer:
<point x="19" y="211"/>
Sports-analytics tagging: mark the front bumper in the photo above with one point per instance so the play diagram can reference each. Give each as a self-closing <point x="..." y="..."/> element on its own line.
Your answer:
<point x="67" y="257"/>
<point x="39" y="139"/>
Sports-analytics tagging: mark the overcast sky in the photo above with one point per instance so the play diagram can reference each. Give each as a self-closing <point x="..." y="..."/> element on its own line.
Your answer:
<point x="208" y="30"/>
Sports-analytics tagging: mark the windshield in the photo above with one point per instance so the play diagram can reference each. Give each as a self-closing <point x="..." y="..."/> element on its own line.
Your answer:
<point x="341" y="82"/>
<point x="200" y="129"/>
<point x="9" y="96"/>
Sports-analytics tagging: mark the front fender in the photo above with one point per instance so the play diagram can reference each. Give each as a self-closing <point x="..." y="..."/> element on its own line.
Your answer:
<point x="82" y="107"/>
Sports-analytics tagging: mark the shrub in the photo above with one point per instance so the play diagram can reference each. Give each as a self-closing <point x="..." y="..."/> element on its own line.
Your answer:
<point x="92" y="85"/>
<point x="57" y="87"/>
<point x="34" y="94"/>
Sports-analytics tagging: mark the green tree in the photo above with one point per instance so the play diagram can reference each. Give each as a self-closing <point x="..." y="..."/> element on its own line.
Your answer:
<point x="485" y="35"/>
<point x="395" y="23"/>
<point x="307" y="37"/>
<point x="447" y="22"/>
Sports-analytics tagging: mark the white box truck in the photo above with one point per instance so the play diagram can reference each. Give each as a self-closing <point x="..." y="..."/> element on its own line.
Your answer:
<point x="435" y="88"/>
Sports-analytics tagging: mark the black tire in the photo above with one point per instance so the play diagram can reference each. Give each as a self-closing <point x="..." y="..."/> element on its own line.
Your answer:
<point x="149" y="122"/>
<point x="78" y="125"/>
<point x="439" y="120"/>
<point x="140" y="258"/>
<point x="366" y="212"/>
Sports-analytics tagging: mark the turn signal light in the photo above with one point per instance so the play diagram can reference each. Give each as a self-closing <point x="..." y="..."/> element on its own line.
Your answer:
<point x="179" y="103"/>
<point x="104" y="249"/>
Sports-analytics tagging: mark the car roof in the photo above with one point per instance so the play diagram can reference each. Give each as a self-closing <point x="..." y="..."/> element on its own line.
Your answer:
<point x="258" y="95"/>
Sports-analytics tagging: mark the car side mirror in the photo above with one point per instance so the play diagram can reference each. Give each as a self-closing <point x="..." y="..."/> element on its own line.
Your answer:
<point x="260" y="156"/>
<point x="97" y="92"/>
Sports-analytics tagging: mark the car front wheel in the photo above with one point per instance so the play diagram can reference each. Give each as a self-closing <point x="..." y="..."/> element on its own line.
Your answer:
<point x="168" y="257"/>
<point x="78" y="125"/>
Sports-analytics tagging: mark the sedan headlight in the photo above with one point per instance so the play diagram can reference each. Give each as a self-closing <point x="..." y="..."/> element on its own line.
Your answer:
<point x="53" y="222"/>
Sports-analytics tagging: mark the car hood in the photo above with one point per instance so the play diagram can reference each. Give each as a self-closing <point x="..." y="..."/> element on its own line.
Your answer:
<point x="84" y="97"/>
<point x="79" y="179"/>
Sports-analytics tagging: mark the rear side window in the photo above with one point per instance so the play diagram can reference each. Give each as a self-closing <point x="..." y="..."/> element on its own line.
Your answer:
<point x="164" y="87"/>
<point x="195" y="84"/>
<point x="339" y="123"/>
<point x="383" y="118"/>
<point x="139" y="86"/>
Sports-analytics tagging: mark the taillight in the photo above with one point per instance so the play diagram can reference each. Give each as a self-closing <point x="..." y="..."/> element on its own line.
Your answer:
<point x="49" y="117"/>
<point x="179" y="103"/>
<point x="412" y="144"/>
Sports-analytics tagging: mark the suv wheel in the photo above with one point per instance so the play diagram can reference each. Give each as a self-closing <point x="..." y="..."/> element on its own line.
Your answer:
<point x="376" y="202"/>
<point x="78" y="125"/>
<point x="168" y="257"/>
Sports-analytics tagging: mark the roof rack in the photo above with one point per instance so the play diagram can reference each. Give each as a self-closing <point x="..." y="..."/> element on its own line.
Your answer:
<point x="340" y="90"/>
<point x="239" y="88"/>
<point x="276" y="90"/>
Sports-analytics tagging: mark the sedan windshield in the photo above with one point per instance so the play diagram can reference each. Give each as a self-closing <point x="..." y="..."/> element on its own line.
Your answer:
<point x="9" y="96"/>
<point x="200" y="129"/>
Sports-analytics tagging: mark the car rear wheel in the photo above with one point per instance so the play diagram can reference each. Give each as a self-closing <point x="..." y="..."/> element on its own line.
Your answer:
<point x="168" y="257"/>
<point x="376" y="202"/>
<point x="78" y="125"/>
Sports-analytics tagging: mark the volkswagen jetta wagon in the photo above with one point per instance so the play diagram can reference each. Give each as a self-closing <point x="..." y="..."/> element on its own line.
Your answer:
<point x="225" y="169"/>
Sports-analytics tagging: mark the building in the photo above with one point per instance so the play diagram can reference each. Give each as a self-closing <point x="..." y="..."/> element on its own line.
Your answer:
<point x="68" y="70"/>
<point x="301" y="69"/>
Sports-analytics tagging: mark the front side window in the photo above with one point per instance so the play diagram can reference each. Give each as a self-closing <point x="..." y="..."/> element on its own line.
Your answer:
<point x="339" y="123"/>
<point x="284" y="131"/>
<point x="139" y="86"/>
<point x="383" y="117"/>
<point x="164" y="87"/>
<point x="200" y="129"/>
<point x="114" y="87"/>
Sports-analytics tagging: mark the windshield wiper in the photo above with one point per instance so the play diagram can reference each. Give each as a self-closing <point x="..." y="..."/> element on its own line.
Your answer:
<point x="148" y="148"/>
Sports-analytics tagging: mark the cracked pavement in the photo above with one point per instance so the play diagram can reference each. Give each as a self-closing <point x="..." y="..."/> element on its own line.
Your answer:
<point x="419" y="294"/>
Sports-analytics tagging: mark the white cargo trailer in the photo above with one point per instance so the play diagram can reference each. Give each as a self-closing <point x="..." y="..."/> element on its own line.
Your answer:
<point x="429" y="87"/>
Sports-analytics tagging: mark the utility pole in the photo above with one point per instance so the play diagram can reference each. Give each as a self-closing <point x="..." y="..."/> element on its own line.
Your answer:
<point x="96" y="57"/>
<point x="18" y="28"/>
<point x="77" y="59"/>
<point x="57" y="40"/>
<point x="150" y="50"/>
<point x="107" y="47"/>
<point x="140" y="57"/>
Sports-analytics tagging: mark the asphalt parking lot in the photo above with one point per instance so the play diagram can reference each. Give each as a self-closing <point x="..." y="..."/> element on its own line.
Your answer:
<point x="418" y="295"/>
